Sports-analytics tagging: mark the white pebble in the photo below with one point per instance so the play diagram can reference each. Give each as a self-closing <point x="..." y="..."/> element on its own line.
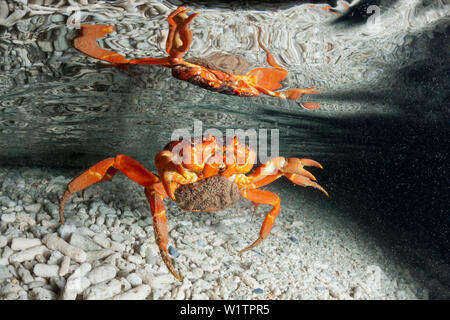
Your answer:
<point x="83" y="243"/>
<point x="81" y="271"/>
<point x="24" y="274"/>
<point x="100" y="220"/>
<point x="159" y="282"/>
<point x="66" y="230"/>
<point x="3" y="241"/>
<point x="104" y="242"/>
<point x="9" y="217"/>
<point x="10" y="288"/>
<point x="64" y="268"/>
<point x="263" y="275"/>
<point x="248" y="280"/>
<point x="55" y="243"/>
<point x="28" y="254"/>
<point x="117" y="237"/>
<point x="46" y="270"/>
<point x="33" y="208"/>
<point x="44" y="294"/>
<point x="102" y="273"/>
<point x="135" y="259"/>
<point x="139" y="293"/>
<point x="134" y="279"/>
<point x="24" y="243"/>
<point x="98" y="254"/>
<point x="26" y="218"/>
<point x="74" y="287"/>
<point x="103" y="290"/>
<point x="116" y="246"/>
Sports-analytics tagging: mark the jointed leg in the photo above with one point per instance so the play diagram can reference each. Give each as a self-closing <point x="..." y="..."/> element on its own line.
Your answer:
<point x="291" y="94"/>
<point x="180" y="36"/>
<point x="86" y="43"/>
<point x="173" y="26"/>
<point x="105" y="170"/>
<point x="267" y="80"/>
<point x="292" y="168"/>
<point x="264" y="197"/>
<point x="160" y="226"/>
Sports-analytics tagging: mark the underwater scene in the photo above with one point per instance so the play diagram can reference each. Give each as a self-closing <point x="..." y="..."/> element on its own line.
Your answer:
<point x="224" y="150"/>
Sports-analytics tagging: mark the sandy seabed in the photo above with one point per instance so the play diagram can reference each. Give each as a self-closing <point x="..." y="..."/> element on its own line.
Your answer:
<point x="107" y="250"/>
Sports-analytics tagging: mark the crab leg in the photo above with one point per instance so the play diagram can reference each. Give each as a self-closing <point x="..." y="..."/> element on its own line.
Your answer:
<point x="160" y="226"/>
<point x="172" y="27"/>
<point x="263" y="197"/>
<point x="86" y="43"/>
<point x="104" y="171"/>
<point x="180" y="36"/>
<point x="292" y="168"/>
<point x="267" y="80"/>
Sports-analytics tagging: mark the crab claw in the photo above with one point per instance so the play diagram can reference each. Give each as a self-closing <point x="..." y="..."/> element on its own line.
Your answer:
<point x="294" y="171"/>
<point x="304" y="181"/>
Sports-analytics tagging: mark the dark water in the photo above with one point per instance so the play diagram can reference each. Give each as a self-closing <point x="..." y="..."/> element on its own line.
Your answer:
<point x="382" y="132"/>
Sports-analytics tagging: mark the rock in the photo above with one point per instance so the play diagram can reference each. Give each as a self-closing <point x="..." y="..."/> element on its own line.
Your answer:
<point x="74" y="287"/>
<point x="9" y="217"/>
<point x="160" y="282"/>
<point x="104" y="210"/>
<point x="25" y="218"/>
<point x="9" y="288"/>
<point x="24" y="243"/>
<point x="4" y="273"/>
<point x="139" y="293"/>
<point x="103" y="290"/>
<point x="46" y="270"/>
<point x="248" y="280"/>
<point x="117" y="237"/>
<point x="134" y="279"/>
<point x="66" y="230"/>
<point x="81" y="271"/>
<point x="98" y="255"/>
<point x="336" y="292"/>
<point x="28" y="254"/>
<point x="84" y="243"/>
<point x="24" y="274"/>
<point x="53" y="242"/>
<point x="55" y="257"/>
<point x="64" y="268"/>
<point x="294" y="239"/>
<point x="3" y="241"/>
<point x="135" y="259"/>
<point x="44" y="294"/>
<point x="104" y="242"/>
<point x="102" y="273"/>
<point x="100" y="220"/>
<point x="77" y="282"/>
<point x="357" y="293"/>
<point x="33" y="208"/>
<point x="258" y="291"/>
<point x="173" y="252"/>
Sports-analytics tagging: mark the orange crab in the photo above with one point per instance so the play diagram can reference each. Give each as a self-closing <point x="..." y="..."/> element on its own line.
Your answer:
<point x="251" y="84"/>
<point x="201" y="174"/>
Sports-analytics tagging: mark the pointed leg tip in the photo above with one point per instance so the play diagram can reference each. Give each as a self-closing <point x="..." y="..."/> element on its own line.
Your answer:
<point x="178" y="277"/>
<point x="109" y="29"/>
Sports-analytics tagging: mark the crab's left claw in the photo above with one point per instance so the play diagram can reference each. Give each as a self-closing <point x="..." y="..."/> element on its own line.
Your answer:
<point x="293" y="169"/>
